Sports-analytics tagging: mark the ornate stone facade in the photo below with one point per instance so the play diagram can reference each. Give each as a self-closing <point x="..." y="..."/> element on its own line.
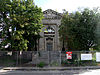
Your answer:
<point x="50" y="36"/>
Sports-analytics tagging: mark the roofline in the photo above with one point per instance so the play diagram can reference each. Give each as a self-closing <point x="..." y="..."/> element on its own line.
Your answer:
<point x="53" y="11"/>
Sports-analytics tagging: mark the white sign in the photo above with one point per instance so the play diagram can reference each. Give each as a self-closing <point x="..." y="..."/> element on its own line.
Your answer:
<point x="86" y="56"/>
<point x="97" y="56"/>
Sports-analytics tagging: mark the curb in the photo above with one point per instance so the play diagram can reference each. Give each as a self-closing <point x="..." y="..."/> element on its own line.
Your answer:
<point x="50" y="68"/>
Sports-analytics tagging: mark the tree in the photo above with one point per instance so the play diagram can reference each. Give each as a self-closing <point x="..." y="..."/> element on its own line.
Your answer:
<point x="80" y="29"/>
<point x="25" y="24"/>
<point x="98" y="30"/>
<point x="4" y="21"/>
<point x="63" y="30"/>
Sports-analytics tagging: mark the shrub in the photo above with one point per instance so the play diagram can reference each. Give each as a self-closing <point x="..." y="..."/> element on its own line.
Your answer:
<point x="41" y="64"/>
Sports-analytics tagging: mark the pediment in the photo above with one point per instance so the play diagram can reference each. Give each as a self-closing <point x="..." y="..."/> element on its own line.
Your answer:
<point x="51" y="14"/>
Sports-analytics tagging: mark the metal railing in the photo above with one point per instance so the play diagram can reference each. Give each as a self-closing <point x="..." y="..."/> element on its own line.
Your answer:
<point x="46" y="59"/>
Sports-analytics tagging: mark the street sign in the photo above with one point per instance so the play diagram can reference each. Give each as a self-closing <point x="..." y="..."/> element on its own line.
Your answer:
<point x="69" y="55"/>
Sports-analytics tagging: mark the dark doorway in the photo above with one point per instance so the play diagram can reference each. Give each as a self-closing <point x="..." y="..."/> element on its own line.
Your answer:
<point x="49" y="46"/>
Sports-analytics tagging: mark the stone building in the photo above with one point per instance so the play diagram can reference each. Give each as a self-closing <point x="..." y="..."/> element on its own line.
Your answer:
<point x="50" y="36"/>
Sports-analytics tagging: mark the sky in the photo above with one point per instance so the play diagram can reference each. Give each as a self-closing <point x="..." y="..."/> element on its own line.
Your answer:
<point x="69" y="5"/>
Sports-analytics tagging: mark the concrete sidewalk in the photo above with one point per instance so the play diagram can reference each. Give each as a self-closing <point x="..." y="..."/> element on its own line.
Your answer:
<point x="49" y="68"/>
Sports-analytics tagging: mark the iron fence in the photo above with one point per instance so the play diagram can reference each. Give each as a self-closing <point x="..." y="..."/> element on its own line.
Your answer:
<point x="47" y="59"/>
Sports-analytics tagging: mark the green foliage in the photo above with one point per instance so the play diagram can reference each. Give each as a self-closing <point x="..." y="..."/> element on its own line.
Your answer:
<point x="41" y="64"/>
<point x="87" y="63"/>
<point x="78" y="29"/>
<point x="70" y="63"/>
<point x="54" y="63"/>
<point x="24" y="20"/>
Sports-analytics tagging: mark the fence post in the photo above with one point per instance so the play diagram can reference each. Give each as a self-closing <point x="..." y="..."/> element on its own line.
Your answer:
<point x="17" y="59"/>
<point x="60" y="58"/>
<point x="48" y="60"/>
<point x="37" y="59"/>
<point x="78" y="58"/>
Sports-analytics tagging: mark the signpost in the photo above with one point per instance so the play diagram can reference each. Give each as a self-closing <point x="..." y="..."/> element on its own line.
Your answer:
<point x="69" y="55"/>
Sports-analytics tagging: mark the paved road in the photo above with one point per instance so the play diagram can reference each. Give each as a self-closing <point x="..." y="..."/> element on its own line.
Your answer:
<point x="67" y="72"/>
<point x="3" y="72"/>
